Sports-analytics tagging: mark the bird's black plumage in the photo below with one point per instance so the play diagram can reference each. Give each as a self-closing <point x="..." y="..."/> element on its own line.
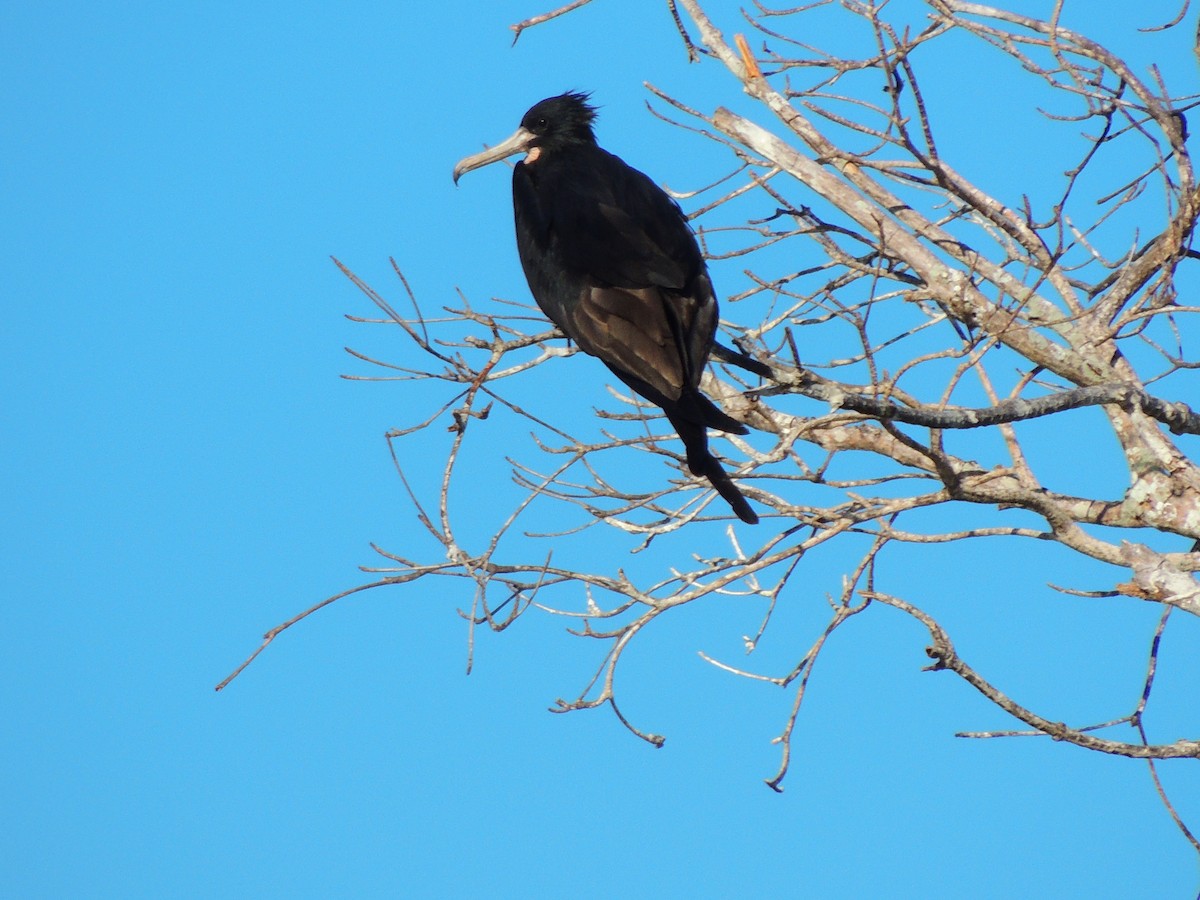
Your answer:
<point x="611" y="260"/>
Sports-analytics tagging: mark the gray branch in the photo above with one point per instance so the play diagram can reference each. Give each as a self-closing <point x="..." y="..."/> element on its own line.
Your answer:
<point x="1178" y="417"/>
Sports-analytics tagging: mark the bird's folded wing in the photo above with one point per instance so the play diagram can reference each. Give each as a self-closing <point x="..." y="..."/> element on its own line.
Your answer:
<point x="633" y="332"/>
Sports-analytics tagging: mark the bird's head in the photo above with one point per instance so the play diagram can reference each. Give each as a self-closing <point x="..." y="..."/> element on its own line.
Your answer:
<point x="551" y="124"/>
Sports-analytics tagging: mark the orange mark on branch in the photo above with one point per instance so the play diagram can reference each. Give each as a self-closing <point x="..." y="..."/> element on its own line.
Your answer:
<point x="748" y="60"/>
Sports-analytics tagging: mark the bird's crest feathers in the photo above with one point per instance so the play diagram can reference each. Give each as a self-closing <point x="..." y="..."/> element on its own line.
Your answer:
<point x="562" y="119"/>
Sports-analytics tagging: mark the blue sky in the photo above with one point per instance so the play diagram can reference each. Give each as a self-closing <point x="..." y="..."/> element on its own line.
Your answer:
<point x="185" y="468"/>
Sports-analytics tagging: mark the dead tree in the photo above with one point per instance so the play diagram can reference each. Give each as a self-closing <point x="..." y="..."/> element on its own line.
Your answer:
<point x="911" y="321"/>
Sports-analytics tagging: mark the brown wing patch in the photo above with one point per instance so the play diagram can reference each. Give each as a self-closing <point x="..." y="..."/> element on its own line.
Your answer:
<point x="629" y="329"/>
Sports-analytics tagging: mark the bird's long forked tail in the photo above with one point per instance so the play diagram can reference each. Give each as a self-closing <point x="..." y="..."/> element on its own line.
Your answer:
<point x="701" y="462"/>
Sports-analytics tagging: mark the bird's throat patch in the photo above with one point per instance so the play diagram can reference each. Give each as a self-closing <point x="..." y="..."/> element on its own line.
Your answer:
<point x="532" y="155"/>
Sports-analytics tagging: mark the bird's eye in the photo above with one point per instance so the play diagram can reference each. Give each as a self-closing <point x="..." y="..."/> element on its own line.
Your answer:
<point x="541" y="123"/>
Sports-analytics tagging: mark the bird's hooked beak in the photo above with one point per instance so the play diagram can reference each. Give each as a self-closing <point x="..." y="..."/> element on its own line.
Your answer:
<point x="520" y="142"/>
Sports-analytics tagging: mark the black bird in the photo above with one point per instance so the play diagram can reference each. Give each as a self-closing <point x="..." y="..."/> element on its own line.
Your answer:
<point x="611" y="260"/>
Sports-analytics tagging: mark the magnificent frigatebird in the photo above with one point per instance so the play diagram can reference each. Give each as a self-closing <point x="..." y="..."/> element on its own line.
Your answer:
<point x="611" y="260"/>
